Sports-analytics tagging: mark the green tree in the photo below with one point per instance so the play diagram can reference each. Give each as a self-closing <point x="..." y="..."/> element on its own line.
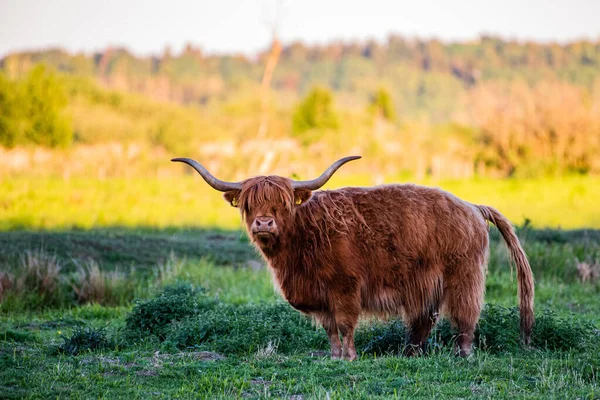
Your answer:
<point x="10" y="129"/>
<point x="382" y="105"/>
<point x="44" y="100"/>
<point x="316" y="111"/>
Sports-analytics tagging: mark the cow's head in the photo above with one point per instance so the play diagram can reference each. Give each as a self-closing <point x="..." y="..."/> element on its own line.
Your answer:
<point x="268" y="204"/>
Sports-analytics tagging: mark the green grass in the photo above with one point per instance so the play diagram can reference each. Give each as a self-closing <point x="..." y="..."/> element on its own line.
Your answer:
<point x="143" y="374"/>
<point x="188" y="202"/>
<point x="242" y="340"/>
<point x="31" y="367"/>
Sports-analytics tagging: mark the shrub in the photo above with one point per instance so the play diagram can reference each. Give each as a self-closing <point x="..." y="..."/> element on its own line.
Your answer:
<point x="314" y="112"/>
<point x="84" y="339"/>
<point x="380" y="338"/>
<point x="32" y="110"/>
<point x="556" y="333"/>
<point x="246" y="329"/>
<point x="497" y="332"/>
<point x="381" y="105"/>
<point x="174" y="303"/>
<point x="389" y="337"/>
<point x="10" y="126"/>
<point x="45" y="99"/>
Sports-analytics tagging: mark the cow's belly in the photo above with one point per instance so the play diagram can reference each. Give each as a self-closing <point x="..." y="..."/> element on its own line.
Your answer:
<point x="382" y="301"/>
<point x="309" y="307"/>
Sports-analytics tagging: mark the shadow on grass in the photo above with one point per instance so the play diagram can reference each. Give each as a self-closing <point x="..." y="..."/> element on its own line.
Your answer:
<point x="126" y="247"/>
<point x="552" y="252"/>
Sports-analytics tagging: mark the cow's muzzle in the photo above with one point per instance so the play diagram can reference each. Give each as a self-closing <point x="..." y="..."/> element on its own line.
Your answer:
<point x="264" y="228"/>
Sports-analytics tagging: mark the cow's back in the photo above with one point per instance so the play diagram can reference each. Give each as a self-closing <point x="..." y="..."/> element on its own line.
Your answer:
<point x="418" y="218"/>
<point x="405" y="235"/>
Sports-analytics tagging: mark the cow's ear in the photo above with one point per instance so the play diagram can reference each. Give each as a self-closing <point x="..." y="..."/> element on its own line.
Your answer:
<point x="301" y="196"/>
<point x="232" y="196"/>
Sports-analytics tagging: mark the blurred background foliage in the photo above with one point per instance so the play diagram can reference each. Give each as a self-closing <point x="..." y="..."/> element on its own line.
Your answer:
<point x="420" y="108"/>
<point x="33" y="110"/>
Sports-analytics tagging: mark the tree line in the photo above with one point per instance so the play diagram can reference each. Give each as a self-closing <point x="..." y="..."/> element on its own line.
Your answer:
<point x="489" y="107"/>
<point x="423" y="75"/>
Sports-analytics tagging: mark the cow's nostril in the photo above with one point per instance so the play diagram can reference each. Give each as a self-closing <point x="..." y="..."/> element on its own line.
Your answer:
<point x="270" y="223"/>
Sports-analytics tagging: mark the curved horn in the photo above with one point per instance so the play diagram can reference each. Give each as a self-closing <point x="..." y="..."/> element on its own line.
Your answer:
<point x="217" y="184"/>
<point x="320" y="181"/>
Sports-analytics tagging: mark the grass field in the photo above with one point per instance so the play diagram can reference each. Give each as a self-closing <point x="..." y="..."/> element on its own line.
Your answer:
<point x="27" y="203"/>
<point x="88" y="307"/>
<point x="236" y="338"/>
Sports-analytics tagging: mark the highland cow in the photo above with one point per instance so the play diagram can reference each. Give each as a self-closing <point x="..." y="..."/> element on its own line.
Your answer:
<point x="392" y="250"/>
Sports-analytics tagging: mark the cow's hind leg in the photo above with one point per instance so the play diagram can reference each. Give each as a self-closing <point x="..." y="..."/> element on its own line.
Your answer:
<point x="463" y="299"/>
<point x="421" y="309"/>
<point x="418" y="329"/>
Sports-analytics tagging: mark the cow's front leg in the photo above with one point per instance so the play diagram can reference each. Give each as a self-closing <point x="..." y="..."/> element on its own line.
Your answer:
<point x="347" y="307"/>
<point x="328" y="322"/>
<point x="346" y="322"/>
<point x="349" y="349"/>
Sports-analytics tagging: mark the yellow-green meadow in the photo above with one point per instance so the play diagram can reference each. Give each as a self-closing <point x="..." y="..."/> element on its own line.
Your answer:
<point x="53" y="203"/>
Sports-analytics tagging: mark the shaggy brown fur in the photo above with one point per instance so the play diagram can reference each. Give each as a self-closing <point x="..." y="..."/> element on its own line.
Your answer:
<point x="401" y="250"/>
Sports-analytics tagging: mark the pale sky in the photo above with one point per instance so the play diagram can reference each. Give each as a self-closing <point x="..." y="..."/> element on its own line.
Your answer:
<point x="230" y="26"/>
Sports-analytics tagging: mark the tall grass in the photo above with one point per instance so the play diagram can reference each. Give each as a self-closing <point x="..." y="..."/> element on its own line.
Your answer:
<point x="36" y="281"/>
<point x="6" y="283"/>
<point x="91" y="284"/>
<point x="39" y="272"/>
<point x="40" y="282"/>
<point x="41" y="286"/>
<point x="551" y="260"/>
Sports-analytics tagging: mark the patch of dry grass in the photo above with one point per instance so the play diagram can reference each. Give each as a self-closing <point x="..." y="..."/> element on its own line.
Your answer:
<point x="588" y="271"/>
<point x="39" y="272"/>
<point x="91" y="284"/>
<point x="7" y="281"/>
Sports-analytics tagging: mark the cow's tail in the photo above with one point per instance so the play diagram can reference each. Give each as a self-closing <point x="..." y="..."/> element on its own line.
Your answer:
<point x="524" y="274"/>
